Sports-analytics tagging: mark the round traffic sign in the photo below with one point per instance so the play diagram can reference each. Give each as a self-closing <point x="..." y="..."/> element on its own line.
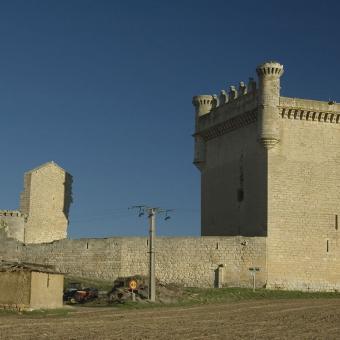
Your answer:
<point x="133" y="284"/>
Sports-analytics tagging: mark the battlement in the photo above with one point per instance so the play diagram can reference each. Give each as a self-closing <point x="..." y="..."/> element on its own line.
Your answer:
<point x="11" y="213"/>
<point x="204" y="104"/>
<point x="270" y="68"/>
<point x="244" y="105"/>
<point x="212" y="110"/>
<point x="12" y="224"/>
<point x="309" y="109"/>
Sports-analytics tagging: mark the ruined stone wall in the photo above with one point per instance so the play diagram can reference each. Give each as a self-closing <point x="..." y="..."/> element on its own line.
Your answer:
<point x="45" y="201"/>
<point x="191" y="261"/>
<point x="12" y="224"/>
<point x="304" y="199"/>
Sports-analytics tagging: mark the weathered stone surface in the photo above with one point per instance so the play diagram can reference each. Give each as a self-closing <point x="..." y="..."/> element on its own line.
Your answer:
<point x="12" y="224"/>
<point x="192" y="261"/>
<point x="45" y="201"/>
<point x="284" y="187"/>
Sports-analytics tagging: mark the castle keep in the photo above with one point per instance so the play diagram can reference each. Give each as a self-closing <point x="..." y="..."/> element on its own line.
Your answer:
<point x="270" y="199"/>
<point x="269" y="167"/>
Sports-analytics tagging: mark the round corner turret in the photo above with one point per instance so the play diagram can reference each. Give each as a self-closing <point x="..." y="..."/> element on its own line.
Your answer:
<point x="269" y="74"/>
<point x="270" y="68"/>
<point x="203" y="104"/>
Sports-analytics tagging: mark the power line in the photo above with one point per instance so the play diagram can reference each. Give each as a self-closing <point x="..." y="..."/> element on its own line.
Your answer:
<point x="151" y="213"/>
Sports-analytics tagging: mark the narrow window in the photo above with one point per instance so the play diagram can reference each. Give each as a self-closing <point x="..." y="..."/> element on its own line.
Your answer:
<point x="217" y="245"/>
<point x="240" y="195"/>
<point x="336" y="222"/>
<point x="87" y="245"/>
<point x="48" y="280"/>
<point x="327" y="246"/>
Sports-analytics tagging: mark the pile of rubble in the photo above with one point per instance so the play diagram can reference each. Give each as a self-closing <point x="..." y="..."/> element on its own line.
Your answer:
<point x="125" y="289"/>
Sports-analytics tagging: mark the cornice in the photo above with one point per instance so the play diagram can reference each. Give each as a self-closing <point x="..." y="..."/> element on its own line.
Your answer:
<point x="229" y="125"/>
<point x="298" y="113"/>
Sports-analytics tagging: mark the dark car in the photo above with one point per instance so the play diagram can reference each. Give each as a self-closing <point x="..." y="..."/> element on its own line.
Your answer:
<point x="69" y="294"/>
<point x="85" y="295"/>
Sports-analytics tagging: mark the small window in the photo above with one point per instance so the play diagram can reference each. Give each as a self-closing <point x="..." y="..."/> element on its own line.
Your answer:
<point x="240" y="195"/>
<point x="336" y="222"/>
<point x="327" y="246"/>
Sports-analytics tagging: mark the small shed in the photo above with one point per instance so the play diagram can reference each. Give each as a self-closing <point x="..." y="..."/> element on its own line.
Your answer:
<point x="26" y="285"/>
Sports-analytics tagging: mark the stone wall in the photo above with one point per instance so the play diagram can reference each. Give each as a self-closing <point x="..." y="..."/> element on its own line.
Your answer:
<point x="12" y="224"/>
<point x="234" y="183"/>
<point x="232" y="164"/>
<point x="45" y="201"/>
<point x="15" y="288"/>
<point x="191" y="261"/>
<point x="304" y="201"/>
<point x="46" y="290"/>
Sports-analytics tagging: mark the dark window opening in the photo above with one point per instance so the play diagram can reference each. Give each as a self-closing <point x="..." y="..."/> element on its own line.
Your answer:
<point x="336" y="222"/>
<point x="240" y="195"/>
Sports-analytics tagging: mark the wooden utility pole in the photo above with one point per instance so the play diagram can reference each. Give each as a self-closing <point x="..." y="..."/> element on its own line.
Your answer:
<point x="152" y="212"/>
<point x="152" y="232"/>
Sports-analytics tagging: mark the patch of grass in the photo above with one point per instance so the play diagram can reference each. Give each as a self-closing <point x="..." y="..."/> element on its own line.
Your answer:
<point x="212" y="295"/>
<point x="194" y="296"/>
<point x="180" y="296"/>
<point x="6" y="312"/>
<point x="37" y="313"/>
<point x="42" y="313"/>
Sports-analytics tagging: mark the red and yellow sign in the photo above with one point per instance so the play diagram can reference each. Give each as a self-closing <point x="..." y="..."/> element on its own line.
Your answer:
<point x="133" y="284"/>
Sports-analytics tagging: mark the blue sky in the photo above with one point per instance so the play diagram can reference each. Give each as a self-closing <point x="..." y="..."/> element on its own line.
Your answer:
<point x="104" y="89"/>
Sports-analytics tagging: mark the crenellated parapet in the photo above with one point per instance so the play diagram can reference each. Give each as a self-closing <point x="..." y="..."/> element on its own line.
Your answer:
<point x="270" y="69"/>
<point x="309" y="110"/>
<point x="11" y="213"/>
<point x="248" y="103"/>
<point x="203" y="104"/>
<point x="206" y="104"/>
<point x="12" y="224"/>
<point x="213" y="109"/>
<point x="216" y="115"/>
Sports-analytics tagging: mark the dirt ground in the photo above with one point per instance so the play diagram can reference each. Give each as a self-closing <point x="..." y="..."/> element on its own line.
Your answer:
<point x="261" y="319"/>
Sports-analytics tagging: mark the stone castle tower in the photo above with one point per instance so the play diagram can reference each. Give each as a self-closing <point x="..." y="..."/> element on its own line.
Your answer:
<point x="45" y="202"/>
<point x="44" y="207"/>
<point x="269" y="167"/>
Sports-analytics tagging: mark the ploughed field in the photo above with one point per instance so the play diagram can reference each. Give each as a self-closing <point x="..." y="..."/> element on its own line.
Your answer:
<point x="248" y="319"/>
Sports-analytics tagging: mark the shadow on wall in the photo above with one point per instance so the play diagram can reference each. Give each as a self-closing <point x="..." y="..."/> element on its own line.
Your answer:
<point x="68" y="199"/>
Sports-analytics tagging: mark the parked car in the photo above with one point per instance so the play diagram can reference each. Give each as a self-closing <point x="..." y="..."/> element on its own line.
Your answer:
<point x="69" y="294"/>
<point x="85" y="295"/>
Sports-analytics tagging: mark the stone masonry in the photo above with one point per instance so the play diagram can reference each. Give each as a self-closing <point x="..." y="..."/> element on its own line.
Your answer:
<point x="270" y="199"/>
<point x="269" y="167"/>
<point x="45" y="201"/>
<point x="191" y="261"/>
<point x="44" y="206"/>
<point x="12" y="224"/>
